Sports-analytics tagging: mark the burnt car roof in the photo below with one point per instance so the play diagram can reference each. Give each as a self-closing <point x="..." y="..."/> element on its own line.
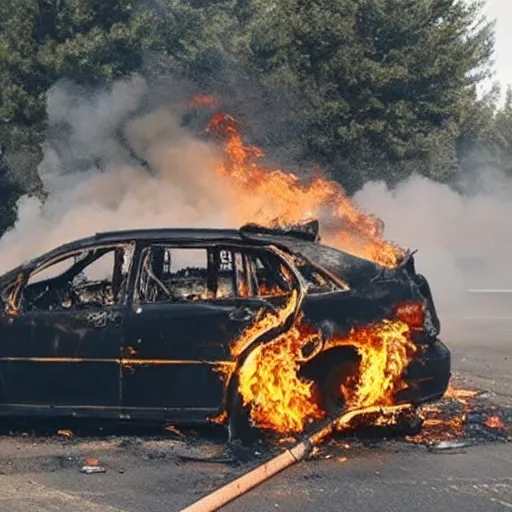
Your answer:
<point x="133" y="235"/>
<point x="352" y="268"/>
<point x="163" y="234"/>
<point x="336" y="261"/>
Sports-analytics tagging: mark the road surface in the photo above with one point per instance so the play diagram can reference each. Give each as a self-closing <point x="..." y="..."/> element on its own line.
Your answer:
<point x="145" y="474"/>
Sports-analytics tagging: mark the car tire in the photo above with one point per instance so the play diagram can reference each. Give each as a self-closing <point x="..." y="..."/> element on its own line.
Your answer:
<point x="240" y="427"/>
<point x="329" y="388"/>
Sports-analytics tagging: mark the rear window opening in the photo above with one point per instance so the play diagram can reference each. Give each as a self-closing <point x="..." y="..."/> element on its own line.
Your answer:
<point x="317" y="280"/>
<point x="170" y="274"/>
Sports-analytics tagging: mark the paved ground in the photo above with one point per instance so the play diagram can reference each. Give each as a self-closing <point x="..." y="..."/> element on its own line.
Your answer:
<point x="144" y="473"/>
<point x="393" y="479"/>
<point x="486" y="362"/>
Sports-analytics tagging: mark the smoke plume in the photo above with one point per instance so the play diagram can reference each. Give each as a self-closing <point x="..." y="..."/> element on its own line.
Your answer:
<point x="120" y="159"/>
<point x="463" y="242"/>
<point x="116" y="159"/>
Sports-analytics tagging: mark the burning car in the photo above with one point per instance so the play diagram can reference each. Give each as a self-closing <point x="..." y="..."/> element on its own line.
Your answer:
<point x="265" y="327"/>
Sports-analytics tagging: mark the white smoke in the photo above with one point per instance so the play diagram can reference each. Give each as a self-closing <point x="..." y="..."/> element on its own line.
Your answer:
<point x="95" y="183"/>
<point x="464" y="244"/>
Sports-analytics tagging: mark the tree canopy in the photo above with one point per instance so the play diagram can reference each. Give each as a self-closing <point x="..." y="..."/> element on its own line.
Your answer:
<point x="381" y="80"/>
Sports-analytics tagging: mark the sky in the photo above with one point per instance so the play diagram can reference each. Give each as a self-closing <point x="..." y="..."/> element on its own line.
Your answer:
<point x="501" y="11"/>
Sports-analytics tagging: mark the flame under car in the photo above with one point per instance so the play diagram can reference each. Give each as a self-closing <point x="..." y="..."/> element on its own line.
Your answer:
<point x="150" y="324"/>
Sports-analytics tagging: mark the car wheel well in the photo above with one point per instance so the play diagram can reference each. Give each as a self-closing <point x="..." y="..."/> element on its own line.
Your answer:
<point x="330" y="371"/>
<point x="316" y="368"/>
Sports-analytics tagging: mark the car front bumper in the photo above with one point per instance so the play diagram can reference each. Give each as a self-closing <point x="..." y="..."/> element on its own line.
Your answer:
<point x="427" y="376"/>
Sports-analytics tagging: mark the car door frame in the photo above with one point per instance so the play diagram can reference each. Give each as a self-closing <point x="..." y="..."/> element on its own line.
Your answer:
<point x="184" y="413"/>
<point x="92" y="320"/>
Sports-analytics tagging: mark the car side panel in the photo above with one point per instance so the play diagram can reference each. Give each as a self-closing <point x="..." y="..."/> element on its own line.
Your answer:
<point x="427" y="375"/>
<point x="342" y="310"/>
<point x="62" y="358"/>
<point x="173" y="354"/>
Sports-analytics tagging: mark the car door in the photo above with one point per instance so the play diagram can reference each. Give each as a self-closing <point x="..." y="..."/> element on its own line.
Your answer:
<point x="176" y="341"/>
<point x="62" y="346"/>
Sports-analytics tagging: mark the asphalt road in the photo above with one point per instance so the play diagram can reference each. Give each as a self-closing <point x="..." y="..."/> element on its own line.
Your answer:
<point x="145" y="474"/>
<point x="485" y="359"/>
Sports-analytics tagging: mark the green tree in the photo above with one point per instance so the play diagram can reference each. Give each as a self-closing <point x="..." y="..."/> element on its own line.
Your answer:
<point x="485" y="140"/>
<point x="382" y="82"/>
<point x="368" y="89"/>
<point x="9" y="193"/>
<point x="42" y="41"/>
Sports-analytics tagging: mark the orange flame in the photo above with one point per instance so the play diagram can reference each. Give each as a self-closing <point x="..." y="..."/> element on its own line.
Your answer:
<point x="385" y="349"/>
<point x="282" y="401"/>
<point x="459" y="394"/>
<point x="220" y="419"/>
<point x="268" y="377"/>
<point x="174" y="430"/>
<point x="412" y="313"/>
<point x="203" y="101"/>
<point x="269" y="382"/>
<point x="11" y="309"/>
<point x="265" y="291"/>
<point x="495" y="422"/>
<point x="440" y="429"/>
<point x="273" y="197"/>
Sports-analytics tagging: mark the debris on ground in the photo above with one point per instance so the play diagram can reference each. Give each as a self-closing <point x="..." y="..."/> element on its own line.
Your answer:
<point x="65" y="433"/>
<point x="92" y="466"/>
<point x="450" y="445"/>
<point x="463" y="415"/>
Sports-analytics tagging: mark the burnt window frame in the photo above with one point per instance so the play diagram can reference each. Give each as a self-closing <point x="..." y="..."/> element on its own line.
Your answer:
<point x="143" y="248"/>
<point x="212" y="259"/>
<point x="339" y="284"/>
<point x="19" y="284"/>
<point x="265" y="257"/>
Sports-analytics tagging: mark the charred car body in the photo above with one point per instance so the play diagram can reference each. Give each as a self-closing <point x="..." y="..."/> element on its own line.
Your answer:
<point x="134" y="324"/>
